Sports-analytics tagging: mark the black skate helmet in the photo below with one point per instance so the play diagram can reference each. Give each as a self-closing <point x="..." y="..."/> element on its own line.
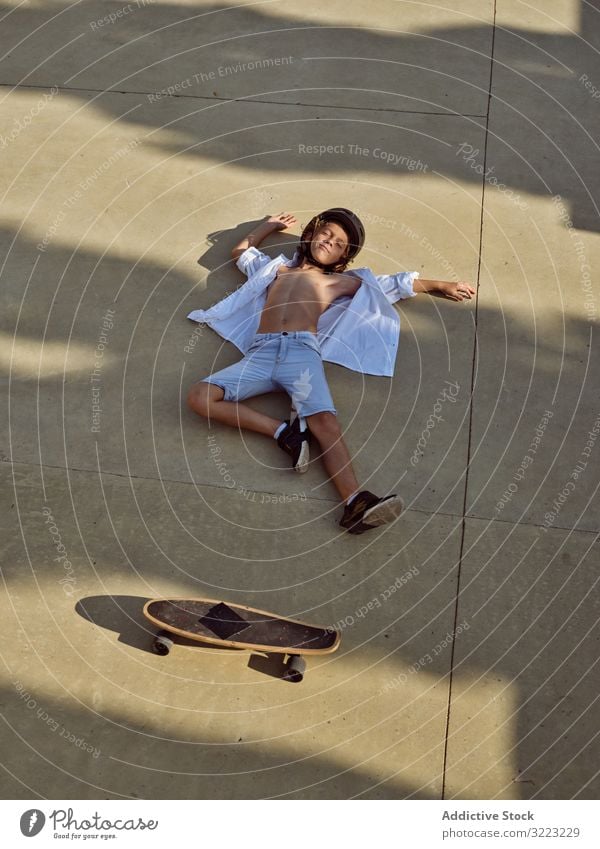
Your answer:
<point x="352" y="226"/>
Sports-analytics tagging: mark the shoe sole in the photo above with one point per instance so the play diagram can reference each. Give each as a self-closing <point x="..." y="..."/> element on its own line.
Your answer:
<point x="381" y="514"/>
<point x="303" y="459"/>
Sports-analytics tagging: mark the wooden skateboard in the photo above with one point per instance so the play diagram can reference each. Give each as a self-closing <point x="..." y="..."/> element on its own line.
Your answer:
<point x="218" y="623"/>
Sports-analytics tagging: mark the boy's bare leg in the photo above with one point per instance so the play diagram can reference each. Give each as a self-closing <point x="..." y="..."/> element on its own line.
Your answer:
<point x="206" y="399"/>
<point x="335" y="454"/>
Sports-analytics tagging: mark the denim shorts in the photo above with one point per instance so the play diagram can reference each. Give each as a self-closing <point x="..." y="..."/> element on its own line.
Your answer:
<point x="288" y="361"/>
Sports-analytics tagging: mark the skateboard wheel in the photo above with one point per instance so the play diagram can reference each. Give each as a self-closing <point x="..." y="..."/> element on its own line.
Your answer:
<point x="162" y="643"/>
<point x="295" y="669"/>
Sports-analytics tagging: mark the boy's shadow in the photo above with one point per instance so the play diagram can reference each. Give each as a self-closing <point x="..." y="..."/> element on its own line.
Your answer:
<point x="217" y="257"/>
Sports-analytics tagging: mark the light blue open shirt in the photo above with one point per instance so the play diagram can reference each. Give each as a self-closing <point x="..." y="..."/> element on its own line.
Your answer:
<point x="359" y="332"/>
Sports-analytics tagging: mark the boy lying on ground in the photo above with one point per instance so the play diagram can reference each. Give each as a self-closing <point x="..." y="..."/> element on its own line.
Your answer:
<point x="288" y="318"/>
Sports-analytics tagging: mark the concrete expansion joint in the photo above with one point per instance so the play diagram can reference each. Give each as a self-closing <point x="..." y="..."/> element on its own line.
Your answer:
<point x="445" y="114"/>
<point x="270" y="493"/>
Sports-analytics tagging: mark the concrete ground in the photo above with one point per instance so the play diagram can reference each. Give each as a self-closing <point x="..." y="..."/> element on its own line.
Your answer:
<point x="464" y="135"/>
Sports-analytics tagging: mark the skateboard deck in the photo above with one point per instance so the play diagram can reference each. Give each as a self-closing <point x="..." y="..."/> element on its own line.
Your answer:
<point x="219" y="623"/>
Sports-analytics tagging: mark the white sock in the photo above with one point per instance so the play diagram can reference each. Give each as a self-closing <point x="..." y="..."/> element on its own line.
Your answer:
<point x="281" y="427"/>
<point x="351" y="499"/>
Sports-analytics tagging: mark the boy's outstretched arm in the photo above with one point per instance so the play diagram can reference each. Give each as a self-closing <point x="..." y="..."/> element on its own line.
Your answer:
<point x="264" y="229"/>
<point x="455" y="291"/>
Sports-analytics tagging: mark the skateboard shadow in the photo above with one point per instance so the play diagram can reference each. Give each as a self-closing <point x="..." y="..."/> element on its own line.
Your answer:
<point x="268" y="664"/>
<point x="124" y="615"/>
<point x="120" y="613"/>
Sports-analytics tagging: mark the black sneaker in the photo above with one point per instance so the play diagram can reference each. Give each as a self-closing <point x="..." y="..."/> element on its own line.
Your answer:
<point x="296" y="443"/>
<point x="367" y="511"/>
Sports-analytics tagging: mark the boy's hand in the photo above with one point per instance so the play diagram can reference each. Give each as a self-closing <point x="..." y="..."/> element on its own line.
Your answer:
<point x="264" y="229"/>
<point x="457" y="291"/>
<point x="282" y="221"/>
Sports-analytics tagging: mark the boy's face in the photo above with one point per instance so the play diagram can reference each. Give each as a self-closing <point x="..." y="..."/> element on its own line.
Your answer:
<point x="329" y="243"/>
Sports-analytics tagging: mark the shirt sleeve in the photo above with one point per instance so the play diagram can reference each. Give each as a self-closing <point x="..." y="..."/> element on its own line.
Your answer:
<point x="251" y="261"/>
<point x="398" y="286"/>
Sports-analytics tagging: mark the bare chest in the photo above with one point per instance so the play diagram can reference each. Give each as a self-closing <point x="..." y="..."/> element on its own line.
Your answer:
<point x="305" y="286"/>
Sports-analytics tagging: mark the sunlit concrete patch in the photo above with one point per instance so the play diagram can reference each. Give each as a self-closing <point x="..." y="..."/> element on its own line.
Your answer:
<point x="327" y="742"/>
<point x="522" y="714"/>
<point x="406" y="58"/>
<point x="31" y="359"/>
<point x="482" y="757"/>
<point x="545" y="101"/>
<point x="367" y="721"/>
<point x="178" y="529"/>
<point x="544" y="71"/>
<point x="117" y="250"/>
<point x="83" y="202"/>
<point x="536" y="420"/>
<point x="564" y="18"/>
<point x="129" y="201"/>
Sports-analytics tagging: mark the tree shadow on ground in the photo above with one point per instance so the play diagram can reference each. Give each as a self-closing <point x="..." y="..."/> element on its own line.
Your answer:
<point x="539" y="142"/>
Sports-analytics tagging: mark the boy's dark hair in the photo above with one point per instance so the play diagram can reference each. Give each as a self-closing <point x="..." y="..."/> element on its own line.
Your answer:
<point x="352" y="226"/>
